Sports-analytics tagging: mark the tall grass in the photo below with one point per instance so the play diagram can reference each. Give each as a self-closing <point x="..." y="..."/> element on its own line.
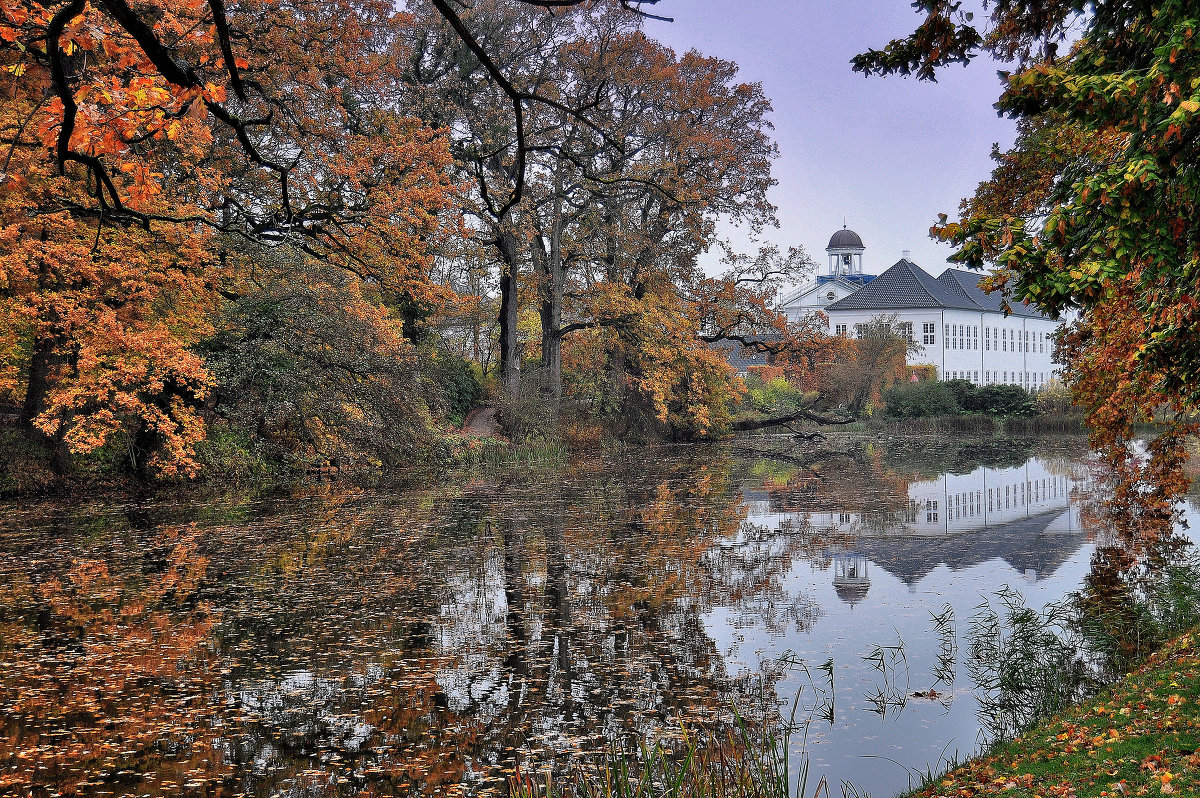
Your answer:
<point x="740" y="763"/>
<point x="1063" y="423"/>
<point x="745" y="759"/>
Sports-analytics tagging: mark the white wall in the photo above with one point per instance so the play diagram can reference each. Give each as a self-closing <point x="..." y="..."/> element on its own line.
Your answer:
<point x="983" y="347"/>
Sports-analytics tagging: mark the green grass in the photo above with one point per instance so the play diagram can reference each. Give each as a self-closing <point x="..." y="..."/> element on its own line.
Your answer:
<point x="1138" y="737"/>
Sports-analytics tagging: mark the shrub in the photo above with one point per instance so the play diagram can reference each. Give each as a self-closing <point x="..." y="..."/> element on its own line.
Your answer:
<point x="775" y="395"/>
<point x="460" y="386"/>
<point x="1006" y="400"/>
<point x="1055" y="397"/>
<point x="966" y="395"/>
<point x="918" y="399"/>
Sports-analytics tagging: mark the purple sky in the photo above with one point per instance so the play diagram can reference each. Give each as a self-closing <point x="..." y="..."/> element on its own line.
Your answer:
<point x="889" y="154"/>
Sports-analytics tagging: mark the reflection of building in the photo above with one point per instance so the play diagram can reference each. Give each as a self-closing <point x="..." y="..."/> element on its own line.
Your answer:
<point x="850" y="579"/>
<point x="1020" y="514"/>
<point x="987" y="497"/>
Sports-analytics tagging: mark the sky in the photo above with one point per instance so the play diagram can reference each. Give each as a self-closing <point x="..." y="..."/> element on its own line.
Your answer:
<point x="886" y="154"/>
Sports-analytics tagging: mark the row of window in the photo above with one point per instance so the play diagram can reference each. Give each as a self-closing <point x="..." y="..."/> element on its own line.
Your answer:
<point x="1030" y="380"/>
<point x="966" y="336"/>
<point x="970" y="504"/>
<point x="1001" y="339"/>
<point x="904" y="329"/>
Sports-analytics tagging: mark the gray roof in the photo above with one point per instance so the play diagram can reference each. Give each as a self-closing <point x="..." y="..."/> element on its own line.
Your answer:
<point x="1023" y="544"/>
<point x="845" y="239"/>
<point x="904" y="285"/>
<point x="741" y="357"/>
<point x="967" y="284"/>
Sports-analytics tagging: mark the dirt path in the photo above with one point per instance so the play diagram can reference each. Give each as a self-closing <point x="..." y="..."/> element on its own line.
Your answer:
<point x="481" y="421"/>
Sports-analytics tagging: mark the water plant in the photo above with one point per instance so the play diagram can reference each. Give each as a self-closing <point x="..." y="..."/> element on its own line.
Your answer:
<point x="750" y="757"/>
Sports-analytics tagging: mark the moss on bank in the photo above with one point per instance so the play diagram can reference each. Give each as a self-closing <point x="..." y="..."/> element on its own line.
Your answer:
<point x="1139" y="737"/>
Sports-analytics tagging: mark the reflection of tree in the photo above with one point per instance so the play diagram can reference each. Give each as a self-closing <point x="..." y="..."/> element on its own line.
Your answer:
<point x="337" y="643"/>
<point x="1140" y="590"/>
<point x="108" y="678"/>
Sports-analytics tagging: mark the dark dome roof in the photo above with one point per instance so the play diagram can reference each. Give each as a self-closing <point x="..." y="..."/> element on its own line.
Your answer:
<point x="851" y="593"/>
<point x="844" y="239"/>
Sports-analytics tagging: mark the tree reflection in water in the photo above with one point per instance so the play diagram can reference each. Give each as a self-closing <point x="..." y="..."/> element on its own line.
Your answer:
<point x="334" y="642"/>
<point x="1142" y="587"/>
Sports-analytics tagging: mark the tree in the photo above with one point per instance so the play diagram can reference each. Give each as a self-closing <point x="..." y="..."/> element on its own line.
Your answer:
<point x="130" y="135"/>
<point x="1109" y="139"/>
<point x="632" y="153"/>
<point x="868" y="365"/>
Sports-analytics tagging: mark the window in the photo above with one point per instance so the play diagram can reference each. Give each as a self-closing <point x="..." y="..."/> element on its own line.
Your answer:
<point x="905" y="330"/>
<point x="858" y="331"/>
<point x="840" y="329"/>
<point x="987" y="339"/>
<point x="1004" y="340"/>
<point x="910" y="515"/>
<point x="843" y="518"/>
<point x="946" y="337"/>
<point x="931" y="510"/>
<point x="975" y="379"/>
<point x="989" y="500"/>
<point x="928" y="331"/>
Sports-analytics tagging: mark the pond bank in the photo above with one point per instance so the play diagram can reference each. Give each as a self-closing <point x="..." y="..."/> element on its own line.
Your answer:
<point x="1138" y="737"/>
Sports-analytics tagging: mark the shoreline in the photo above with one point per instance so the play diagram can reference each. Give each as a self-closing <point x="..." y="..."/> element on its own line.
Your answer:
<point x="1139" y="736"/>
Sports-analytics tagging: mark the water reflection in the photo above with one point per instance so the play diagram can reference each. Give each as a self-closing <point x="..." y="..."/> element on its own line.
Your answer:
<point x="335" y="642"/>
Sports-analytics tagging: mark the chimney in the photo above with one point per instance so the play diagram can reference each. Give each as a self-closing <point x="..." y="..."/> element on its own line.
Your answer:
<point x="905" y="254"/>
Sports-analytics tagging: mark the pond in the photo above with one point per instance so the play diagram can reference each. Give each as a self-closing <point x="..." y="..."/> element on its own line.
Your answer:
<point x="430" y="640"/>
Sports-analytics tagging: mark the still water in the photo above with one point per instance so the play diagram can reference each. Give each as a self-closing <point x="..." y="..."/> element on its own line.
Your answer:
<point x="430" y="640"/>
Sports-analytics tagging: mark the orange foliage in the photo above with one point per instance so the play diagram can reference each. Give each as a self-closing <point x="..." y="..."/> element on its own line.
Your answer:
<point x="120" y="161"/>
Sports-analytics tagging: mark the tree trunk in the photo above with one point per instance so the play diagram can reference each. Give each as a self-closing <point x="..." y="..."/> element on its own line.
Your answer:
<point x="47" y="356"/>
<point x="550" y="312"/>
<point x="510" y="353"/>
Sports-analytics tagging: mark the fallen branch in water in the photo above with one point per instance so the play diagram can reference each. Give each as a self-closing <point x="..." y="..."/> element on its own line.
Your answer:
<point x="779" y="421"/>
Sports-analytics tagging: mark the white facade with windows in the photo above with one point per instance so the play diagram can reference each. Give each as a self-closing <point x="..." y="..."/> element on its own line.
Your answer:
<point x="957" y="327"/>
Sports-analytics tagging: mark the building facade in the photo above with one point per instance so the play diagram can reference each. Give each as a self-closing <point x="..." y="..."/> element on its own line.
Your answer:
<point x="956" y="327"/>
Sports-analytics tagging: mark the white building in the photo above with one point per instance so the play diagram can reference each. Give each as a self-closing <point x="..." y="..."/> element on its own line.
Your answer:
<point x="957" y="327"/>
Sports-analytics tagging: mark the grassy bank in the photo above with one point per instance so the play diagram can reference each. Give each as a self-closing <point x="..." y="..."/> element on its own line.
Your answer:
<point x="1138" y="737"/>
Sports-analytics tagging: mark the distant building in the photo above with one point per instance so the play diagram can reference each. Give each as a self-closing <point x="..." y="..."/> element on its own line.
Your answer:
<point x="744" y="358"/>
<point x="956" y="326"/>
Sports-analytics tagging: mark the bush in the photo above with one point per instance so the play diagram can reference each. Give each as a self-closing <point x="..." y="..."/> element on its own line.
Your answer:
<point x="460" y="386"/>
<point x="966" y="395"/>
<point x="775" y="396"/>
<point x="1006" y="400"/>
<point x="525" y="414"/>
<point x="920" y="399"/>
<point x="1055" y="397"/>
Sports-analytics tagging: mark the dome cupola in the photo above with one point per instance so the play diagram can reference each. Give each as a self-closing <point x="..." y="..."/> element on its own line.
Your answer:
<point x="845" y="252"/>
